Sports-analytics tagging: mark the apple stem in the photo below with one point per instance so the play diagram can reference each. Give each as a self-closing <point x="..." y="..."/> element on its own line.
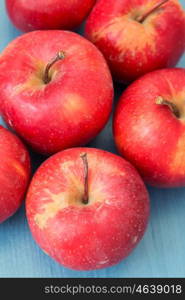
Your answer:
<point x="86" y="194"/>
<point x="60" y="55"/>
<point x="143" y="17"/>
<point x="172" y="106"/>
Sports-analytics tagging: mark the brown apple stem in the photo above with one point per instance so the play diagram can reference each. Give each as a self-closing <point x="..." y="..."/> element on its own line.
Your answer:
<point x="172" y="106"/>
<point x="60" y="55"/>
<point x="85" y="199"/>
<point x="143" y="17"/>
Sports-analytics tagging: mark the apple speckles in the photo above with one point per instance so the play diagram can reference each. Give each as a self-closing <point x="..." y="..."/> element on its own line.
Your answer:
<point x="122" y="29"/>
<point x="144" y="31"/>
<point x="53" y="14"/>
<point x="34" y="82"/>
<point x="99" y="164"/>
<point x="100" y="233"/>
<point x="71" y="179"/>
<point x="59" y="114"/>
<point x="55" y="203"/>
<point x="66" y="165"/>
<point x="73" y="104"/>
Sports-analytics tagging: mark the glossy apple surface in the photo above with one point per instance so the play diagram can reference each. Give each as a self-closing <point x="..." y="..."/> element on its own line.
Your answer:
<point x="14" y="173"/>
<point x="135" y="38"/>
<point x="97" y="232"/>
<point x="29" y="15"/>
<point x="149" y="126"/>
<point x="72" y="107"/>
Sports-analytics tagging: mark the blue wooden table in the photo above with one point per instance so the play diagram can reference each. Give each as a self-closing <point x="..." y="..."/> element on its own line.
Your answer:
<point x="161" y="253"/>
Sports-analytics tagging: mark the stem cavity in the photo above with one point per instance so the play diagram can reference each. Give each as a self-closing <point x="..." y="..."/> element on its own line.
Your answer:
<point x="85" y="198"/>
<point x="172" y="106"/>
<point x="143" y="17"/>
<point x="60" y="55"/>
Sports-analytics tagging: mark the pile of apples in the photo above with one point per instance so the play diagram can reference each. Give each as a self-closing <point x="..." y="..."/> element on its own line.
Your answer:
<point x="88" y="208"/>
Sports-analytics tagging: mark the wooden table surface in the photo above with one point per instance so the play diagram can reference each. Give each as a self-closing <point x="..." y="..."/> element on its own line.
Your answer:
<point x="161" y="253"/>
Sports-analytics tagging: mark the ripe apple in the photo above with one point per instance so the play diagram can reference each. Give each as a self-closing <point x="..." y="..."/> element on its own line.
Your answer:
<point x="56" y="90"/>
<point x="87" y="208"/>
<point x="48" y="14"/>
<point x="149" y="126"/>
<point x="137" y="36"/>
<point x="14" y="173"/>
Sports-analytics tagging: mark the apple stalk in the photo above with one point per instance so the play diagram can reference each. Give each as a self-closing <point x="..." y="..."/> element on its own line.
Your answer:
<point x="60" y="55"/>
<point x="172" y="106"/>
<point x="85" y="199"/>
<point x="143" y="17"/>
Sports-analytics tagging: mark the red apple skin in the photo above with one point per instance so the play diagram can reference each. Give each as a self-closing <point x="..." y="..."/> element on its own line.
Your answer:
<point x="32" y="15"/>
<point x="149" y="135"/>
<point x="68" y="111"/>
<point x="14" y="173"/>
<point x="94" y="235"/>
<point x="133" y="49"/>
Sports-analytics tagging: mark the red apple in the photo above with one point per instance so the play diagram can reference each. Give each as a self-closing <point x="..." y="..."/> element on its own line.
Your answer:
<point x="149" y="127"/>
<point x="14" y="173"/>
<point x="31" y="15"/>
<point x="55" y="89"/>
<point x="87" y="208"/>
<point x="137" y="36"/>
